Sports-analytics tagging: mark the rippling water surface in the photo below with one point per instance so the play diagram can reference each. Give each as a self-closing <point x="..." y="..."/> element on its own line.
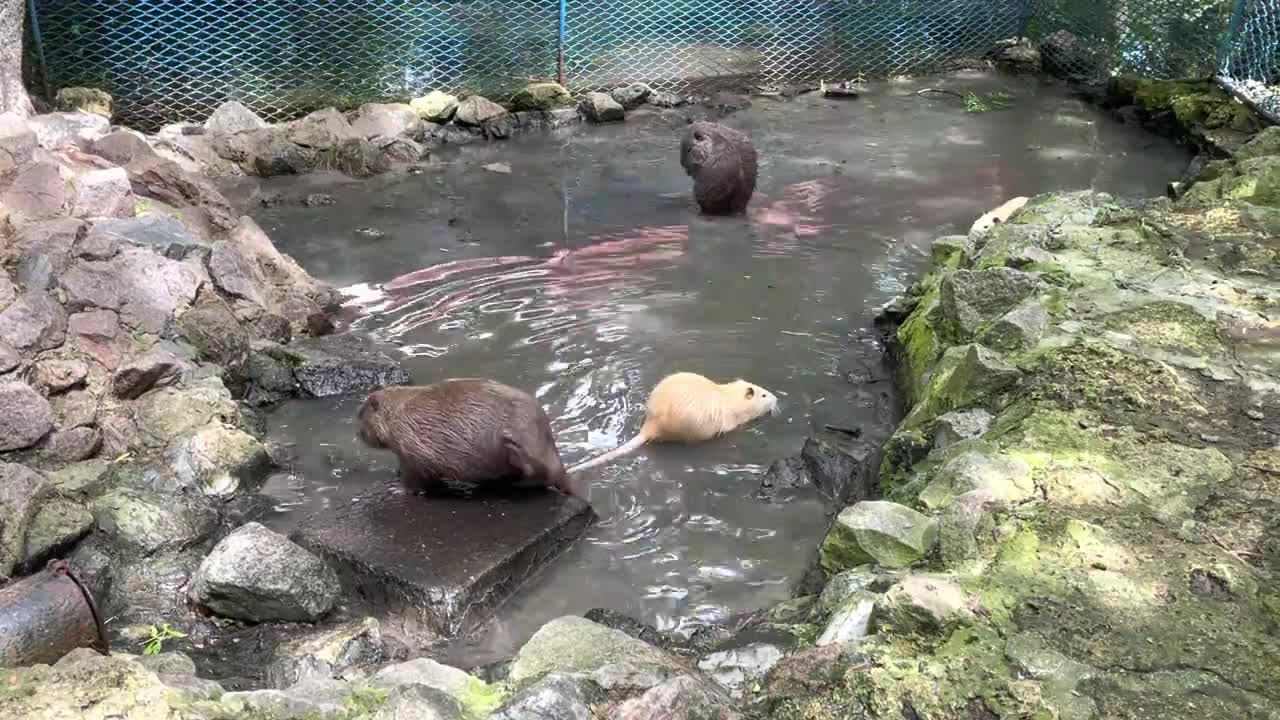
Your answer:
<point x="584" y="276"/>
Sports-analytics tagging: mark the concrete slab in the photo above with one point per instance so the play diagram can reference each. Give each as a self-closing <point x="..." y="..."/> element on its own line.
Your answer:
<point x="449" y="561"/>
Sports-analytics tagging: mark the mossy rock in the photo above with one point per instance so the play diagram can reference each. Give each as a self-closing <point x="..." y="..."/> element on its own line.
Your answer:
<point x="1257" y="181"/>
<point x="541" y="96"/>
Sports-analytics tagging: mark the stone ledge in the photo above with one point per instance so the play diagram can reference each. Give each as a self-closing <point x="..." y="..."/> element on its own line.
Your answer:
<point x="447" y="561"/>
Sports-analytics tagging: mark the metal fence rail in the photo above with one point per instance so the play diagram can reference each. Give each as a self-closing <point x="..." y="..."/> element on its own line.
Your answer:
<point x="168" y="60"/>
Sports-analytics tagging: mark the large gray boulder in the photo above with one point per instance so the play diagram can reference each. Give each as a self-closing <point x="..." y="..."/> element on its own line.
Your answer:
<point x="970" y="298"/>
<point x="573" y="644"/>
<point x="146" y="289"/>
<point x="477" y="110"/>
<point x="258" y="575"/>
<point x="35" y="321"/>
<point x="560" y="696"/>
<point x="600" y="108"/>
<point x="435" y="107"/>
<point x="392" y="120"/>
<point x="25" y="416"/>
<point x="233" y="117"/>
<point x="892" y="535"/>
<point x="22" y="492"/>
<point x="146" y="523"/>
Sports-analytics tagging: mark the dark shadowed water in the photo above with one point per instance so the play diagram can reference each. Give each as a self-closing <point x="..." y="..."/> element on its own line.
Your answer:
<point x="583" y="275"/>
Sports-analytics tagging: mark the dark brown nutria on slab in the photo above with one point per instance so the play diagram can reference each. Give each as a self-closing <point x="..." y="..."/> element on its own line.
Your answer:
<point x="465" y="432"/>
<point x="722" y="163"/>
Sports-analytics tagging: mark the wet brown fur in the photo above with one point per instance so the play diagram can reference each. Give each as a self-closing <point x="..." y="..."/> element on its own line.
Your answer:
<point x="722" y="162"/>
<point x="467" y="431"/>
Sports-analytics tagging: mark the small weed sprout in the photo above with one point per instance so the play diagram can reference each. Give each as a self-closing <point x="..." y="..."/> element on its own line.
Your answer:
<point x="153" y="644"/>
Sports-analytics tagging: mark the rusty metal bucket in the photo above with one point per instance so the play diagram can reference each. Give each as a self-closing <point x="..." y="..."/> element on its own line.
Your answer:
<point x="47" y="615"/>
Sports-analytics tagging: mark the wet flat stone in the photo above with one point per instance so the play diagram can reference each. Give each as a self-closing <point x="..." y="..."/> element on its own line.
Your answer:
<point x="447" y="560"/>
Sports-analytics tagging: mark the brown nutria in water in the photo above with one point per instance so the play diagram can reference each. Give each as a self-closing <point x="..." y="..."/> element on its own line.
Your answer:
<point x="465" y="431"/>
<point x="722" y="163"/>
<point x="688" y="408"/>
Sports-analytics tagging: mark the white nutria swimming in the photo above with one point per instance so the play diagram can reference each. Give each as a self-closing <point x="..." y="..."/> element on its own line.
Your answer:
<point x="999" y="215"/>
<point x="688" y="408"/>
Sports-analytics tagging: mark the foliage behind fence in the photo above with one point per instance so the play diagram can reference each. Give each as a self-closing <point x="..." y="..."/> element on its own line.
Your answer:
<point x="166" y="60"/>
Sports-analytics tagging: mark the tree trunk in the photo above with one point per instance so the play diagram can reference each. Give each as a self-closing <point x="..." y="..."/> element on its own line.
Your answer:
<point x="13" y="94"/>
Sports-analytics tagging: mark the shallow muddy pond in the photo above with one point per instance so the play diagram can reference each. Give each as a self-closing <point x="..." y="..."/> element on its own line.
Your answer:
<point x="573" y="265"/>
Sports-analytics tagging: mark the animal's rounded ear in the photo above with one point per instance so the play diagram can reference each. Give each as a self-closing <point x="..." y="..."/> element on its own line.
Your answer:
<point x="372" y="402"/>
<point x="995" y="221"/>
<point x="751" y="392"/>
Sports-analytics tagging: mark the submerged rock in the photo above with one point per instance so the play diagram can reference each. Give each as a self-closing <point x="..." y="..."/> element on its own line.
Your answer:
<point x="342" y="365"/>
<point x="878" y="531"/>
<point x="332" y="653"/>
<point x="257" y="575"/>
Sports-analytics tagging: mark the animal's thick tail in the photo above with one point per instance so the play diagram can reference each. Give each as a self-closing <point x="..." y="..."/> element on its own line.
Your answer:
<point x="629" y="446"/>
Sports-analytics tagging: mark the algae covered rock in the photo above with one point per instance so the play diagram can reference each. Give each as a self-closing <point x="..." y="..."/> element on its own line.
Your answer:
<point x="850" y="622"/>
<point x="575" y="644"/>
<point x="1006" y="480"/>
<point x="970" y="298"/>
<point x="87" y="686"/>
<point x="923" y="604"/>
<point x="435" y="106"/>
<point x="541" y="96"/>
<point x="84" y="99"/>
<point x="878" y="531"/>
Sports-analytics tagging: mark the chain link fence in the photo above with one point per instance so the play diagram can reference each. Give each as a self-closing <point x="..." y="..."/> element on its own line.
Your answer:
<point x="169" y="60"/>
<point x="1249" y="62"/>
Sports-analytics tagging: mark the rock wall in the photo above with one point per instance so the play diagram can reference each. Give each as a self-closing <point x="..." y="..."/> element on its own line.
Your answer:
<point x="141" y="325"/>
<point x="1081" y="503"/>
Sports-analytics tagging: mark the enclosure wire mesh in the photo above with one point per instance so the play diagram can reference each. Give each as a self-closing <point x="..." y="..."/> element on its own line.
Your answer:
<point x="1250" y="62"/>
<point x="170" y="60"/>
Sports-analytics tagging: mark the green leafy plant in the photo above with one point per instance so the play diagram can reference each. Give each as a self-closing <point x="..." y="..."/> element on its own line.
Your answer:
<point x="153" y="644"/>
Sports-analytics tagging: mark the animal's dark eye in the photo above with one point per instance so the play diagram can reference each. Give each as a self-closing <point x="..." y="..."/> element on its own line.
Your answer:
<point x="699" y="137"/>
